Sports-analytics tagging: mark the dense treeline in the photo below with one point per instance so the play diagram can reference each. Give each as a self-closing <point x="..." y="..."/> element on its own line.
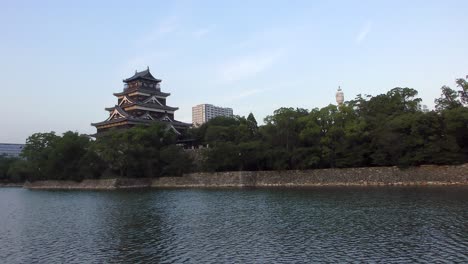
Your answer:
<point x="137" y="152"/>
<point x="10" y="170"/>
<point x="385" y="130"/>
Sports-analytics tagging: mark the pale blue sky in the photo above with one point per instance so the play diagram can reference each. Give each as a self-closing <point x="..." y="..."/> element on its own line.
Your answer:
<point x="61" y="61"/>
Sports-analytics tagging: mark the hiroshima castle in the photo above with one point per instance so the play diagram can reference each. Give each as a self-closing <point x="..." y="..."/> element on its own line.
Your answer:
<point x="141" y="103"/>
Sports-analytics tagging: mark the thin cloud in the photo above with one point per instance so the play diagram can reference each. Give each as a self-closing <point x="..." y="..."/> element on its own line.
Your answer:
<point x="166" y="26"/>
<point x="199" y="33"/>
<point x="243" y="94"/>
<point x="247" y="66"/>
<point x="363" y="33"/>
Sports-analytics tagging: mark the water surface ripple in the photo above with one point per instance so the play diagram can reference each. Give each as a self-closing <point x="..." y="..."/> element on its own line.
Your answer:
<point x="391" y="225"/>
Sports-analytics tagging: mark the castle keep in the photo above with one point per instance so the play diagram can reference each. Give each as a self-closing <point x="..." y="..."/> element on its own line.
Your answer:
<point x="141" y="102"/>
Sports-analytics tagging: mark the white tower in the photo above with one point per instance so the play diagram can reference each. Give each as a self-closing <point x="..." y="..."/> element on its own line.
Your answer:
<point x="339" y="96"/>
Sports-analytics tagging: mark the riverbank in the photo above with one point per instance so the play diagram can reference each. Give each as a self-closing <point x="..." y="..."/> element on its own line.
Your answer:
<point x="11" y="185"/>
<point x="98" y="184"/>
<point x="371" y="176"/>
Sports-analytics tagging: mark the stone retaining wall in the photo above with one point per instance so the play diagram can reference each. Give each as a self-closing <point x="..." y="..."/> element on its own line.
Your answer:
<point x="423" y="175"/>
<point x="101" y="184"/>
<point x="98" y="184"/>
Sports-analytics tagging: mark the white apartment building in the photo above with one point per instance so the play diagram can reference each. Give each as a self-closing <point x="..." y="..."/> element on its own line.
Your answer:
<point x="203" y="112"/>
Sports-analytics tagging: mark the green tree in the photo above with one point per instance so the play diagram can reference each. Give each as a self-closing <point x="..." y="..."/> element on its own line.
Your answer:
<point x="19" y="171"/>
<point x="283" y="127"/>
<point x="463" y="84"/>
<point x="135" y="152"/>
<point x="66" y="156"/>
<point x="456" y="127"/>
<point x="252" y="125"/>
<point x="448" y="100"/>
<point x="175" y="161"/>
<point x="5" y="164"/>
<point x="223" y="156"/>
<point x="48" y="156"/>
<point x="37" y="150"/>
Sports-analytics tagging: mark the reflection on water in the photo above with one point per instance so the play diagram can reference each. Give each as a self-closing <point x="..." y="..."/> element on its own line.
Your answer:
<point x="241" y="226"/>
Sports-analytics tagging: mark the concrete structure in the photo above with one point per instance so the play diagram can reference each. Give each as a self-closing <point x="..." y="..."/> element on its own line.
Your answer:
<point x="202" y="113"/>
<point x="11" y="150"/>
<point x="339" y="96"/>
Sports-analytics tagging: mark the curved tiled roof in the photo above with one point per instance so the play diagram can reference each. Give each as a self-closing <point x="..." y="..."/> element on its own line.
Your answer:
<point x="146" y="75"/>
<point x="121" y="111"/>
<point x="154" y="106"/>
<point x="148" y="91"/>
<point x="136" y="120"/>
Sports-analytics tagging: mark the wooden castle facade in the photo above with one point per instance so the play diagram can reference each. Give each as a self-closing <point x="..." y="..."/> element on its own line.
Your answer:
<point x="141" y="103"/>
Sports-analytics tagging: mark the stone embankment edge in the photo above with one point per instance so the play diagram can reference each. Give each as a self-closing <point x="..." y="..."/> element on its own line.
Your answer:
<point x="14" y="185"/>
<point x="372" y="176"/>
<point x="101" y="184"/>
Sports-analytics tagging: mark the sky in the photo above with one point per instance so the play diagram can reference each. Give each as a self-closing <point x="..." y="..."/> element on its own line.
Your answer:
<point x="61" y="61"/>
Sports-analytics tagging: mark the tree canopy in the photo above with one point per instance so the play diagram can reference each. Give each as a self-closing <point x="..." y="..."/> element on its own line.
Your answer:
<point x="389" y="129"/>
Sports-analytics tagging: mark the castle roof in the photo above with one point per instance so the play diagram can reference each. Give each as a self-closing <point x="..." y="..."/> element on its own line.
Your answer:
<point x="136" y="120"/>
<point x="148" y="105"/>
<point x="145" y="75"/>
<point x="142" y="90"/>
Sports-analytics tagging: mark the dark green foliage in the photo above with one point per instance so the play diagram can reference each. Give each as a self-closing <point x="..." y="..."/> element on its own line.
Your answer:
<point x="252" y="125"/>
<point x="18" y="171"/>
<point x="448" y="100"/>
<point x="174" y="161"/>
<point x="456" y="127"/>
<point x="384" y="130"/>
<point x="5" y="164"/>
<point x="13" y="170"/>
<point x="136" y="152"/>
<point x="463" y="92"/>
<point x="67" y="157"/>
<point x="37" y="151"/>
<point x="143" y="152"/>
<point x="222" y="156"/>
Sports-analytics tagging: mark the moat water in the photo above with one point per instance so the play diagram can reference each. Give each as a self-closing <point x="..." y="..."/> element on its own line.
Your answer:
<point x="235" y="226"/>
